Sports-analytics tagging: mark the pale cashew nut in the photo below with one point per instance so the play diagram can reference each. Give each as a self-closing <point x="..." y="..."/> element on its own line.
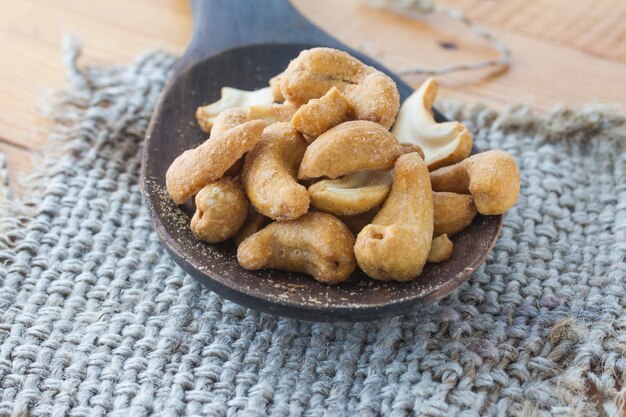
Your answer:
<point x="269" y="173"/>
<point x="396" y="245"/>
<point x="319" y="115"/>
<point x="270" y="113"/>
<point x="443" y="143"/>
<point x="491" y="177"/>
<point x="231" y="97"/>
<point x="350" y="147"/>
<point x="373" y="95"/>
<point x="317" y="244"/>
<point x="353" y="194"/>
<point x="197" y="167"/>
<point x="255" y="221"/>
<point x="453" y="212"/>
<point x="221" y="209"/>
<point x="440" y="249"/>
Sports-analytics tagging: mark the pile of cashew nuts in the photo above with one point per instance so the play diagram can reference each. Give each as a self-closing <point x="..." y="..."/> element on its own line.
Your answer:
<point x="323" y="171"/>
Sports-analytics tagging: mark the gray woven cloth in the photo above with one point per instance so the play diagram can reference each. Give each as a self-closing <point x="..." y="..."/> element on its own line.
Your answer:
<point x="95" y="319"/>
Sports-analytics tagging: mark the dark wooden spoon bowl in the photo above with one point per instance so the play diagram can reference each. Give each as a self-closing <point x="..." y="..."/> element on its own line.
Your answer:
<point x="242" y="44"/>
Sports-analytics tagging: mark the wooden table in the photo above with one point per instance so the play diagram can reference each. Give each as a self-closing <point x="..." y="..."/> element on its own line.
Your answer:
<point x="563" y="51"/>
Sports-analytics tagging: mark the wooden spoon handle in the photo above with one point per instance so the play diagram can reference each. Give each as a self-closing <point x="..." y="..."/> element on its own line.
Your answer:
<point x="220" y="25"/>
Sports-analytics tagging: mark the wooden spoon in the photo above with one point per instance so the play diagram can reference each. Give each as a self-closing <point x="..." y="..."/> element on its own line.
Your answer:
<point x="242" y="44"/>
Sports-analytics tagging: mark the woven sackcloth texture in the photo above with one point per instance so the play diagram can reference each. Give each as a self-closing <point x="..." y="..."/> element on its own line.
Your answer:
<point x="95" y="319"/>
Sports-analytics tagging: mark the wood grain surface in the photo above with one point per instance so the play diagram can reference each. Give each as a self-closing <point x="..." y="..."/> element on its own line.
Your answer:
<point x="564" y="51"/>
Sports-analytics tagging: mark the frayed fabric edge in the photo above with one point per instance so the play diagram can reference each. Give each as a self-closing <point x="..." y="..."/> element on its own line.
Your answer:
<point x="66" y="108"/>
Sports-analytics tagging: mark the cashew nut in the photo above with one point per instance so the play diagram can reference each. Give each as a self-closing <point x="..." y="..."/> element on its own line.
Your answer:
<point x="409" y="148"/>
<point x="353" y="194"/>
<point x="270" y="113"/>
<point x="492" y="177"/>
<point x="396" y="245"/>
<point x="373" y="95"/>
<point x="350" y="147"/>
<point x="231" y="97"/>
<point x="221" y="209"/>
<point x="275" y="87"/>
<point x="440" y="250"/>
<point x="197" y="167"/>
<point x="319" y="115"/>
<point x="453" y="212"/>
<point x="254" y="222"/>
<point x="316" y="243"/>
<point x="443" y="143"/>
<point x="269" y="173"/>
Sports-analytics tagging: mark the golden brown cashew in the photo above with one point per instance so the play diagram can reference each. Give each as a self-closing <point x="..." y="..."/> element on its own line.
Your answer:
<point x="410" y="148"/>
<point x="353" y="194"/>
<point x="443" y="143"/>
<point x="319" y="115"/>
<point x="231" y="97"/>
<point x="221" y="209"/>
<point x="350" y="147"/>
<point x="197" y="167"/>
<point x="317" y="244"/>
<point x="396" y="245"/>
<point x="255" y="221"/>
<point x="275" y="87"/>
<point x="453" y="212"/>
<point x="492" y="177"/>
<point x="269" y="173"/>
<point x="373" y="95"/>
<point x="270" y="113"/>
<point x="440" y="250"/>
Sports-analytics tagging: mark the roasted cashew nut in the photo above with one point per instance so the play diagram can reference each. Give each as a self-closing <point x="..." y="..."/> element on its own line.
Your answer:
<point x="353" y="194"/>
<point x="491" y="177"/>
<point x="452" y="212"/>
<point x="319" y="115"/>
<point x="396" y="245"/>
<point x="317" y="244"/>
<point x="231" y="97"/>
<point x="443" y="143"/>
<point x="270" y="113"/>
<point x="440" y="249"/>
<point x="269" y="173"/>
<point x="350" y="147"/>
<point x="410" y="148"/>
<point x="275" y="88"/>
<point x="221" y="209"/>
<point x="197" y="167"/>
<point x="373" y="95"/>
